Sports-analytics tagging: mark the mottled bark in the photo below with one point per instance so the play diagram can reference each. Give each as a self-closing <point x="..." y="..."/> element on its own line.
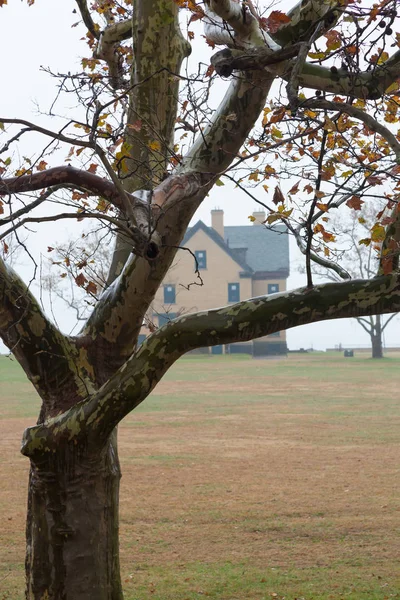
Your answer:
<point x="72" y="525"/>
<point x="89" y="383"/>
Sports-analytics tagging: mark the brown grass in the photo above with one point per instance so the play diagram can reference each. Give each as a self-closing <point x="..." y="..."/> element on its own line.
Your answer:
<point x="250" y="463"/>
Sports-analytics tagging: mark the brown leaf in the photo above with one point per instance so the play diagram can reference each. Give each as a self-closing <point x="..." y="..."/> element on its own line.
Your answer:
<point x="355" y="202"/>
<point x="91" y="288"/>
<point x="294" y="189"/>
<point x="93" y="168"/>
<point x="278" y="196"/>
<point x="80" y="280"/>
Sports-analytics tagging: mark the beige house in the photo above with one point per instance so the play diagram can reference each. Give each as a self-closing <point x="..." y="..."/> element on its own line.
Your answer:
<point x="234" y="263"/>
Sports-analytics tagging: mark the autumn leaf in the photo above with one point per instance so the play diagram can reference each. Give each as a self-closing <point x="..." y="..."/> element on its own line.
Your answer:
<point x="155" y="145"/>
<point x="322" y="206"/>
<point x="50" y="249"/>
<point x="278" y="196"/>
<point x="278" y="115"/>
<point x="91" y="288"/>
<point x="102" y="205"/>
<point x="80" y="280"/>
<point x="5" y="247"/>
<point x="253" y="176"/>
<point x="326" y="235"/>
<point x="294" y="189"/>
<point x="333" y="41"/>
<point x="93" y="168"/>
<point x="355" y="202"/>
<point x="275" y="20"/>
<point x="1" y="208"/>
<point x="42" y="165"/>
<point x="378" y="233"/>
<point x="276" y="133"/>
<point x="251" y="218"/>
<point x="364" y="242"/>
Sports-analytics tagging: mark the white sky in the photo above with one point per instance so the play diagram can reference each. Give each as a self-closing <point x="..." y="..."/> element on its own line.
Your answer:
<point x="31" y="37"/>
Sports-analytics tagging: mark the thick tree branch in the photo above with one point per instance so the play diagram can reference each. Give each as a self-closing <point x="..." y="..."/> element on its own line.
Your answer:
<point x="365" y="84"/>
<point x="159" y="50"/>
<point x="107" y="49"/>
<point x="220" y="143"/>
<point x="145" y="243"/>
<point x="238" y="22"/>
<point x="305" y="16"/>
<point x="390" y="250"/>
<point x="50" y="360"/>
<point x="111" y="332"/>
<point x="95" y="418"/>
<point x="228" y="60"/>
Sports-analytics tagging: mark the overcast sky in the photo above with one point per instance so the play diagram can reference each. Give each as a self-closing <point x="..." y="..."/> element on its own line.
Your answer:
<point x="42" y="35"/>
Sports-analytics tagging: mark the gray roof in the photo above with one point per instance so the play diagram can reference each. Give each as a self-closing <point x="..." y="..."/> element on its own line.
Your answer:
<point x="267" y="251"/>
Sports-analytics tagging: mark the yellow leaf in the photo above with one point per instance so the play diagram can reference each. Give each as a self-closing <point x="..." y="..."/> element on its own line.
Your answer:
<point x="155" y="145"/>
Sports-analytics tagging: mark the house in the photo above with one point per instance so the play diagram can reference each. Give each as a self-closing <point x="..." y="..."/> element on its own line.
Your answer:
<point x="234" y="263"/>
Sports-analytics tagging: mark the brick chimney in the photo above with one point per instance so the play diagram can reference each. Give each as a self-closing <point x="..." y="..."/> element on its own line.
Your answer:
<point x="217" y="221"/>
<point x="259" y="216"/>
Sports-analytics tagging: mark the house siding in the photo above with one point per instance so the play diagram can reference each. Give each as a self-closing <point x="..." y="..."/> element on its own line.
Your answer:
<point x="225" y="265"/>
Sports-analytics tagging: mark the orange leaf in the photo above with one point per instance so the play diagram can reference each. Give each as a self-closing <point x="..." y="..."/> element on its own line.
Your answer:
<point x="42" y="165"/>
<point x="275" y="20"/>
<point x="93" y="168"/>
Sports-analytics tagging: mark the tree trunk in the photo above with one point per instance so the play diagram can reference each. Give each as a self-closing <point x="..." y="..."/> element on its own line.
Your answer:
<point x="72" y="526"/>
<point x="376" y="339"/>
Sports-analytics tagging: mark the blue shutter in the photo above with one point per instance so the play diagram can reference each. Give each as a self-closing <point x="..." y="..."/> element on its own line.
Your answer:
<point x="233" y="292"/>
<point x="169" y="294"/>
<point x="201" y="257"/>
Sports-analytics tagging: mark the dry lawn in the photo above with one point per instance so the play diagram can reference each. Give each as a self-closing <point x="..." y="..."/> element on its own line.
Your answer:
<point x="245" y="479"/>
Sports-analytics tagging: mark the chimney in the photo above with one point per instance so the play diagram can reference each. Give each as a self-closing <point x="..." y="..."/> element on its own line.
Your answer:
<point x="259" y="216"/>
<point x="217" y="221"/>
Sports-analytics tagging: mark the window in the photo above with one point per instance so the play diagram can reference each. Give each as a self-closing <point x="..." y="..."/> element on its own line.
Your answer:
<point x="169" y="294"/>
<point x="273" y="288"/>
<point x="233" y="292"/>
<point x="201" y="257"/>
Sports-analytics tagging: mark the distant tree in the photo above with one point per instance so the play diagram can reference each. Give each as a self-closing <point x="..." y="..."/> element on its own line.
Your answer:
<point x="361" y="261"/>
<point x="140" y="157"/>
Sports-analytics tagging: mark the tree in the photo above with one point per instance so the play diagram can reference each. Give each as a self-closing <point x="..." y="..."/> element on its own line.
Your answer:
<point x="361" y="261"/>
<point x="126" y="169"/>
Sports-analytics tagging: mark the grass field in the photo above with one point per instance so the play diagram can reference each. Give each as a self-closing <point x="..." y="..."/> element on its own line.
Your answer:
<point x="242" y="480"/>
